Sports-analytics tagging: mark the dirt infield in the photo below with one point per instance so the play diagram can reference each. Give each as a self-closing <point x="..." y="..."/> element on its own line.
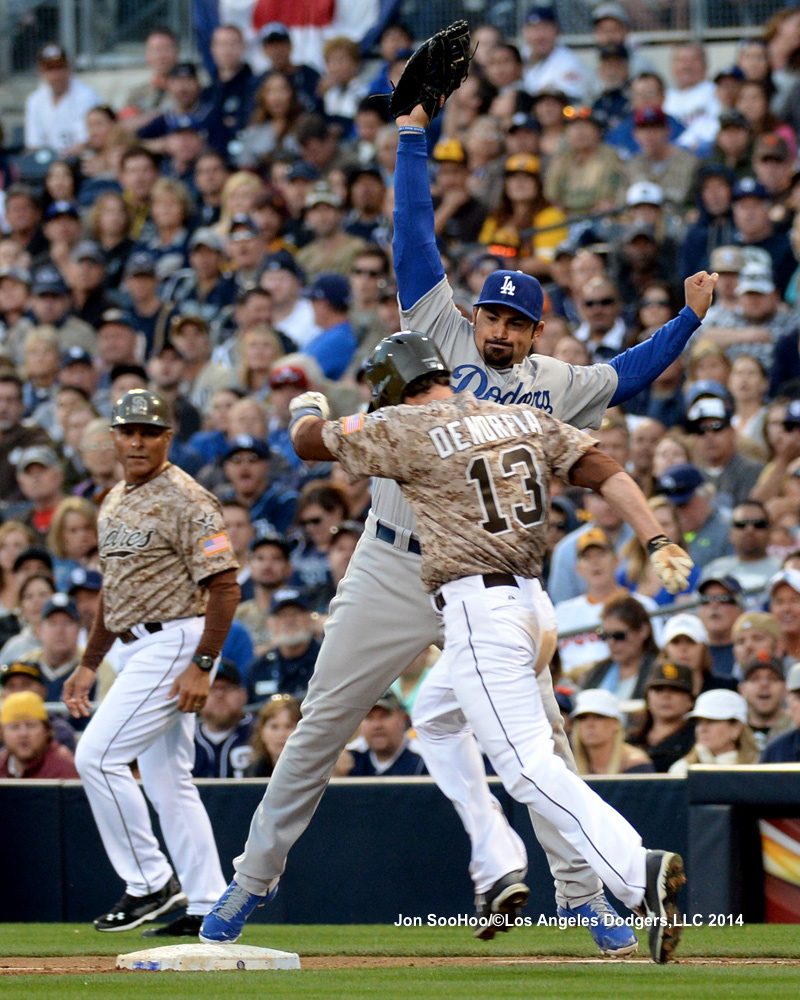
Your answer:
<point x="81" y="965"/>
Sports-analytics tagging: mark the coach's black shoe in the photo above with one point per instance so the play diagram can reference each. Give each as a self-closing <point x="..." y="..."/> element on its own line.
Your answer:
<point x="131" y="911"/>
<point x="664" y="876"/>
<point x="499" y="907"/>
<point x="186" y="926"/>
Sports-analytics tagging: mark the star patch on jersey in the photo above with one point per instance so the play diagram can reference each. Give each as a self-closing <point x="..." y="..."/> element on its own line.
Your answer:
<point x="352" y="424"/>
<point x="215" y="544"/>
<point x="208" y="523"/>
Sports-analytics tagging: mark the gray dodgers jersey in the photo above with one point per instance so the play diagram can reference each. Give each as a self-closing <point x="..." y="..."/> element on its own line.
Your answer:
<point x="575" y="394"/>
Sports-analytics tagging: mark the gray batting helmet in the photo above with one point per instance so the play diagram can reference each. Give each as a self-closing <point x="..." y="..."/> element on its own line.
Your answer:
<point x="398" y="361"/>
<point x="140" y="406"/>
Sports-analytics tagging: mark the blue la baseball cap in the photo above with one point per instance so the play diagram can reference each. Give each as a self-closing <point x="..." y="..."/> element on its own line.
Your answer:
<point x="513" y="288"/>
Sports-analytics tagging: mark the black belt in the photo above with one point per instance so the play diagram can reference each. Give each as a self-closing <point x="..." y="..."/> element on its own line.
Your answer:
<point x="489" y="580"/>
<point x="151" y="627"/>
<point x="387" y="534"/>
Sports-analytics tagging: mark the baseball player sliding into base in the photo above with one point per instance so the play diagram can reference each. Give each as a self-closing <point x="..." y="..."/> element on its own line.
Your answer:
<point x="381" y="618"/>
<point x="169" y="594"/>
<point x="476" y="474"/>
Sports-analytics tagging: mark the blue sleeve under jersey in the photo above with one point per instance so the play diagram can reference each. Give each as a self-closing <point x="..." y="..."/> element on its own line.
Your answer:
<point x="637" y="367"/>
<point x="417" y="263"/>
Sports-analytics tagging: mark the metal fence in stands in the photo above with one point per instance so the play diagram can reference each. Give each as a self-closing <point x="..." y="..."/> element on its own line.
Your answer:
<point x="110" y="32"/>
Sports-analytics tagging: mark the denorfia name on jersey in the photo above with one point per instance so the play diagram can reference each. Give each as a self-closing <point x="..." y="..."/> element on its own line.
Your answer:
<point x="476" y="380"/>
<point x="450" y="437"/>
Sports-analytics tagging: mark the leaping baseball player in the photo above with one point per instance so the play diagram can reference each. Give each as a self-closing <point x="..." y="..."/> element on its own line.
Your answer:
<point x="382" y="618"/>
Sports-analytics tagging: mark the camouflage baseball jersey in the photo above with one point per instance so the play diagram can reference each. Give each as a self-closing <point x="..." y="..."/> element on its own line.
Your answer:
<point x="575" y="393"/>
<point x="476" y="474"/>
<point x="158" y="541"/>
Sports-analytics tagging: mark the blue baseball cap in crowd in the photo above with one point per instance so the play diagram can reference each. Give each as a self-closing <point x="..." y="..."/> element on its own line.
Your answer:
<point x="707" y="387"/>
<point x="282" y="260"/>
<point x="140" y="262"/>
<point x="62" y="208"/>
<point x="48" y="281"/>
<point x="228" y="671"/>
<point x="84" y="579"/>
<point x="289" y="597"/>
<point x="749" y="187"/>
<point x="541" y="13"/>
<point x="244" y="442"/>
<point x="792" y="419"/>
<point x="679" y="483"/>
<point x="513" y="288"/>
<point x="75" y="355"/>
<point x="302" y="171"/>
<point x="330" y="287"/>
<point x="60" y="602"/>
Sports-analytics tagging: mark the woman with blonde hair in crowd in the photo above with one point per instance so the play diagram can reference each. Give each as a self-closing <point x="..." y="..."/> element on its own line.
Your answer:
<point x="72" y="537"/>
<point x="673" y="449"/>
<point x="14" y="537"/>
<point x="238" y="197"/>
<point x="277" y="720"/>
<point x="261" y="348"/>
<point x="109" y="221"/>
<point x="722" y="735"/>
<point x="636" y="572"/>
<point x="598" y="741"/>
<point x="41" y="363"/>
<point x="171" y="209"/>
<point x="34" y="592"/>
<point x="708" y="360"/>
<point x="748" y="384"/>
<point x="510" y="229"/>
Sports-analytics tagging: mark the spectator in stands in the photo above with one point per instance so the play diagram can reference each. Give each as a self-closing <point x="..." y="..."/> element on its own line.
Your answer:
<point x="233" y="83"/>
<point x="341" y="87"/>
<point x="99" y="458"/>
<point x="613" y="73"/>
<point x="549" y="63"/>
<point x="15" y="537"/>
<point x="86" y="276"/>
<point x="222" y="733"/>
<point x="386" y="751"/>
<point x="62" y="230"/>
<point x="692" y="99"/>
<point x="51" y="304"/>
<point x="83" y="586"/>
<point x="321" y="508"/>
<point x="685" y="642"/>
<point x="784" y="604"/>
<point x="277" y="720"/>
<point x="247" y="468"/>
<point x="35" y="590"/>
<point x="588" y="174"/>
<point x="683" y="485"/>
<point x="646" y="91"/>
<point x="270" y="570"/>
<point x="721" y="603"/>
<point x="331" y="249"/>
<point x="26" y="675"/>
<point x="59" y="652"/>
<point x="203" y="377"/>
<point x="665" y="733"/>
<point x="189" y="107"/>
<point x="750" y="564"/>
<point x="152" y="97"/>
<point x="603" y="329"/>
<point x="751" y="207"/>
<point x="716" y="446"/>
<point x="626" y="629"/>
<point x="755" y="634"/>
<point x="785" y="749"/>
<point x="660" y="161"/>
<point x="109" y="222"/>
<point x="31" y="751"/>
<point x="137" y="174"/>
<point x="276" y="43"/>
<point x="748" y="386"/>
<point x="72" y="537"/>
<point x="722" y="735"/>
<point x="289" y="665"/>
<point x="271" y="128"/>
<point x="597" y="738"/>
<point x="764" y="690"/>
<point x="335" y="345"/>
<point x="55" y="113"/>
<point x="40" y="477"/>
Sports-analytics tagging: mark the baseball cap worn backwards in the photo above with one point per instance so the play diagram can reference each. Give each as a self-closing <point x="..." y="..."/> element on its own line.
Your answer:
<point x="515" y="289"/>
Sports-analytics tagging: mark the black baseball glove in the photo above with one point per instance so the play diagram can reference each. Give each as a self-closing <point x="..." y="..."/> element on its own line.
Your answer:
<point x="437" y="68"/>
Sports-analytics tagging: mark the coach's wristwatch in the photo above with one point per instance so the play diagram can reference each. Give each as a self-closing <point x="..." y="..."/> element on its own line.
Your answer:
<point x="204" y="662"/>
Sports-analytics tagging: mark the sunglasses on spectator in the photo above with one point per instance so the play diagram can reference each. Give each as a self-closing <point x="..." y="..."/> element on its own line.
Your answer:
<point x="718" y="599"/>
<point x="655" y="302"/>
<point x="366" y="272"/>
<point x="591" y="303"/>
<point x="759" y="523"/>
<point x="710" y="427"/>
<point x="616" y="636"/>
<point x="311" y="522"/>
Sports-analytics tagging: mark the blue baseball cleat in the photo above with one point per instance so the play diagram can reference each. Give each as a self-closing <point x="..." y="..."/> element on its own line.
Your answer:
<point x="225" y="922"/>
<point x="609" y="933"/>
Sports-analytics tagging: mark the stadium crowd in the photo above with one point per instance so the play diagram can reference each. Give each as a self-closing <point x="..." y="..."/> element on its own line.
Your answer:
<point x="227" y="243"/>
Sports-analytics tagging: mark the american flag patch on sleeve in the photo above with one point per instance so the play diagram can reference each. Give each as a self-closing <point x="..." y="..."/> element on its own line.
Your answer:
<point x="217" y="543"/>
<point x="352" y="424"/>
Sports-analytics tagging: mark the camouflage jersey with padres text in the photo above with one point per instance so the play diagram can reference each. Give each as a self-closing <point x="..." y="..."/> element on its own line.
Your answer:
<point x="158" y="541"/>
<point x="578" y="394"/>
<point x="475" y="473"/>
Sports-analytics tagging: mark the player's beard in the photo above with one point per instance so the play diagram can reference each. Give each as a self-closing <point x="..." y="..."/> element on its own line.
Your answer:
<point x="498" y="354"/>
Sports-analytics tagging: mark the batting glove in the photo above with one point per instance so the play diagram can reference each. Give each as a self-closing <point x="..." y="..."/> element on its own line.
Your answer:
<point x="313" y="403"/>
<point x="671" y="563"/>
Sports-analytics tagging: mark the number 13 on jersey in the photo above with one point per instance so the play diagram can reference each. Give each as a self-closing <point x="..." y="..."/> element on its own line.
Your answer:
<point x="517" y="461"/>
